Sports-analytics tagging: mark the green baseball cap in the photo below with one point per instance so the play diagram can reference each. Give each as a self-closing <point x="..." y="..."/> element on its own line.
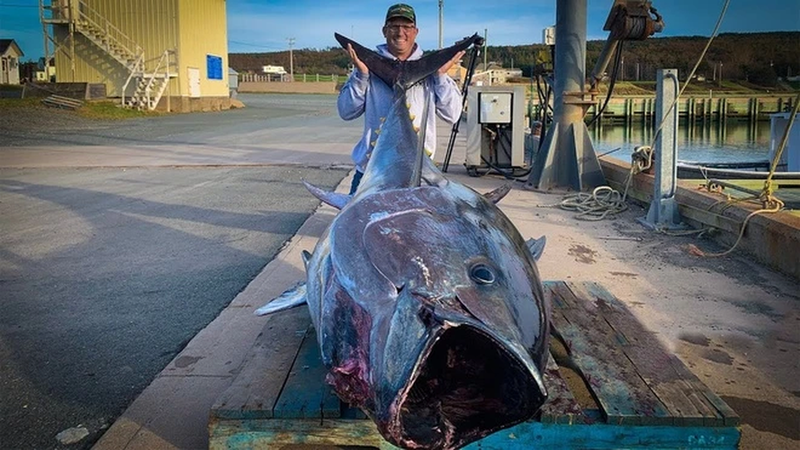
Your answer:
<point x="401" y="10"/>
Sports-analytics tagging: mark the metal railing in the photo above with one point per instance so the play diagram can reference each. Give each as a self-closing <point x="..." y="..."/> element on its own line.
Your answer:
<point x="139" y="69"/>
<point x="164" y="60"/>
<point x="90" y="16"/>
<point x="301" y="78"/>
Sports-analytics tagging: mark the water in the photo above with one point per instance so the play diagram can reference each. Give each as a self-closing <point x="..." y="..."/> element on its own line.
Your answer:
<point x="733" y="141"/>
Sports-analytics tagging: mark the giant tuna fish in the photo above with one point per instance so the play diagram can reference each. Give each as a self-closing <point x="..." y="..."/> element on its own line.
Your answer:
<point x="427" y="303"/>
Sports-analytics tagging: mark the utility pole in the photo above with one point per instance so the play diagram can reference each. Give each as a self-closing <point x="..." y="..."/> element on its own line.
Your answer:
<point x="485" y="48"/>
<point x="291" y="58"/>
<point x="441" y="23"/>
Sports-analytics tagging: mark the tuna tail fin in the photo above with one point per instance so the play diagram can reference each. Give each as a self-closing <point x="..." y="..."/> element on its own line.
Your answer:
<point x="405" y="73"/>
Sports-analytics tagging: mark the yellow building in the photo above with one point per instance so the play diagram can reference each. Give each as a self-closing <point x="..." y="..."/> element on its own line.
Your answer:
<point x="149" y="53"/>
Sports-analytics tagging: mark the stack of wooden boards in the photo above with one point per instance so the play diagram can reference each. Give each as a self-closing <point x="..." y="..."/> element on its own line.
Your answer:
<point x="611" y="385"/>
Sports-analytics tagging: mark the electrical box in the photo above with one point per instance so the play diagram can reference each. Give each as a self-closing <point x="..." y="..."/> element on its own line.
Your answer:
<point x="495" y="127"/>
<point x="549" y="36"/>
<point x="790" y="158"/>
<point x="494" y="107"/>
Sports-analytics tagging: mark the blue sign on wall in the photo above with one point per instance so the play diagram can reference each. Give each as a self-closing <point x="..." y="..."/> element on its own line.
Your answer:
<point x="214" y="67"/>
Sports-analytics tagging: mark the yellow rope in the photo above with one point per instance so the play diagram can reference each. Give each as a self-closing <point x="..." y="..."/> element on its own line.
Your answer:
<point x="769" y="203"/>
<point x="778" y="205"/>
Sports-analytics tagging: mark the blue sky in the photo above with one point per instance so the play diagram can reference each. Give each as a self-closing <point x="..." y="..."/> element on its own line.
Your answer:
<point x="265" y="25"/>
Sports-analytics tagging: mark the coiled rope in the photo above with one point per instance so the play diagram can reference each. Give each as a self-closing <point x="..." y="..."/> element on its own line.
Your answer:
<point x="642" y="157"/>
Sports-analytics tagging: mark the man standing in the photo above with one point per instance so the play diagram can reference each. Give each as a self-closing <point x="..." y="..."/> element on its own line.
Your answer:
<point x="362" y="94"/>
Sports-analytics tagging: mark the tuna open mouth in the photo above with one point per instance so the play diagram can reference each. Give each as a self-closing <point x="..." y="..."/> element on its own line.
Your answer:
<point x="468" y="387"/>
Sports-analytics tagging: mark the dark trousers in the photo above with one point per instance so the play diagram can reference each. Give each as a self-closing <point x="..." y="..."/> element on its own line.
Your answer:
<point x="356" y="180"/>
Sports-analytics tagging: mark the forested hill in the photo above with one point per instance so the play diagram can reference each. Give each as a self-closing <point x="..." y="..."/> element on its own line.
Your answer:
<point x="756" y="57"/>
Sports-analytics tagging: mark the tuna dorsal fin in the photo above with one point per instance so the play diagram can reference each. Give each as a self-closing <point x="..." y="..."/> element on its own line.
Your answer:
<point x="498" y="194"/>
<point x="536" y="247"/>
<point x="334" y="199"/>
<point x="292" y="297"/>
<point x="405" y="73"/>
<point x="306" y="258"/>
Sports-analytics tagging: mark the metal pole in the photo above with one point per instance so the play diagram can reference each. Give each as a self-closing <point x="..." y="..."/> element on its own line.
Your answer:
<point x="663" y="212"/>
<point x="486" y="51"/>
<point x="441" y="23"/>
<point x="567" y="159"/>
<point x="291" y="59"/>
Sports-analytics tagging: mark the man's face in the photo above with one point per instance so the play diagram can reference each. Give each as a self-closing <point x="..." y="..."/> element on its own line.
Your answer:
<point x="400" y="35"/>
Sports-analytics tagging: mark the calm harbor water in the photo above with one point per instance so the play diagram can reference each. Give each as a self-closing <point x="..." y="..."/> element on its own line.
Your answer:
<point x="727" y="142"/>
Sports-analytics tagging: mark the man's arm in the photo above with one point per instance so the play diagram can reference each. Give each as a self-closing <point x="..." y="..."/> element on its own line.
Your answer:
<point x="353" y="96"/>
<point x="448" y="98"/>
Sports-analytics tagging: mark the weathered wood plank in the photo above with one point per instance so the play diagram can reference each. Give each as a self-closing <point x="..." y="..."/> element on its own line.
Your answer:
<point x="262" y="374"/>
<point x="275" y="433"/>
<point x="609" y="374"/>
<point x="635" y="380"/>
<point x="305" y="394"/>
<point x="689" y="400"/>
<point x="530" y="435"/>
<point x="561" y="406"/>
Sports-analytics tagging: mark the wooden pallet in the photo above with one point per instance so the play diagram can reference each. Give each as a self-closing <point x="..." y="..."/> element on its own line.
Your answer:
<point x="611" y="384"/>
<point x="59" y="101"/>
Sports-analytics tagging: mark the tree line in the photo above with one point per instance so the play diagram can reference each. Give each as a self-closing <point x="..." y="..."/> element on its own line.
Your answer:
<point x="758" y="58"/>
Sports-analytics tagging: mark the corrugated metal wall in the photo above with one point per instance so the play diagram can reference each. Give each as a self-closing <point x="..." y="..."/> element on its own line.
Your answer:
<point x="203" y="32"/>
<point x="193" y="28"/>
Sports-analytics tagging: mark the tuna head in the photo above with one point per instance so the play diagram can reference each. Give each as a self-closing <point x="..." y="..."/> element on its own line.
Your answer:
<point x="465" y="346"/>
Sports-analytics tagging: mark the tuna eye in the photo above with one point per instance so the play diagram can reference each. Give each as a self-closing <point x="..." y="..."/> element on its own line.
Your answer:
<point x="481" y="274"/>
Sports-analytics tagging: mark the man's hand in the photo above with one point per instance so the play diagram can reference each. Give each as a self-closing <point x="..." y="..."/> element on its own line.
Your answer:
<point x="456" y="59"/>
<point x="357" y="62"/>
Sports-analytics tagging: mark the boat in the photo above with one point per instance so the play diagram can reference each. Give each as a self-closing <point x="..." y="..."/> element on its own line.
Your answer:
<point x="752" y="170"/>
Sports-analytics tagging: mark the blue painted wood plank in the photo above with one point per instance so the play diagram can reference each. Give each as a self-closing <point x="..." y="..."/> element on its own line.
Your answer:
<point x="531" y="435"/>
<point x="305" y="394"/>
<point x="255" y="390"/>
<point x="276" y="433"/>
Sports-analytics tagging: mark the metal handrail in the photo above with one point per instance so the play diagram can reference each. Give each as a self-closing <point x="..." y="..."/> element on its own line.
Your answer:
<point x="138" y="66"/>
<point x="87" y="14"/>
<point x="164" y="56"/>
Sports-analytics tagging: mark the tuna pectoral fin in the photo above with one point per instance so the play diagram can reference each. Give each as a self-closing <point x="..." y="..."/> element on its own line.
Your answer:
<point x="334" y="199"/>
<point x="536" y="247"/>
<point x="498" y="194"/>
<point x="294" y="296"/>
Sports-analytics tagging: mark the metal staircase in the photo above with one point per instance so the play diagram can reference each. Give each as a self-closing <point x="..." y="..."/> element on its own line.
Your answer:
<point x="149" y="85"/>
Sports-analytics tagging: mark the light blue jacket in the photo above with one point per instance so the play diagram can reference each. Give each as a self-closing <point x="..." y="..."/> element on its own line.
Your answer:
<point x="365" y="94"/>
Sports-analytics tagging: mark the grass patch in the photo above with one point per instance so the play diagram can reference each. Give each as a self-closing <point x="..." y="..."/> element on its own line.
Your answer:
<point x="11" y="103"/>
<point x="110" y="111"/>
<point x="10" y="87"/>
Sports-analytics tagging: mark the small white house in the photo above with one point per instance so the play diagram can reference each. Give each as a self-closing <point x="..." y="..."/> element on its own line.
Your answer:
<point x="10" y="54"/>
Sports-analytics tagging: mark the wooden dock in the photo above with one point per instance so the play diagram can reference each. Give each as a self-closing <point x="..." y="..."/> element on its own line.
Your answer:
<point x="692" y="108"/>
<point x="611" y="385"/>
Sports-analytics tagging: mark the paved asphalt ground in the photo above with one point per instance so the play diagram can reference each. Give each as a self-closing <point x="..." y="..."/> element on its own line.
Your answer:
<point x="108" y="269"/>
